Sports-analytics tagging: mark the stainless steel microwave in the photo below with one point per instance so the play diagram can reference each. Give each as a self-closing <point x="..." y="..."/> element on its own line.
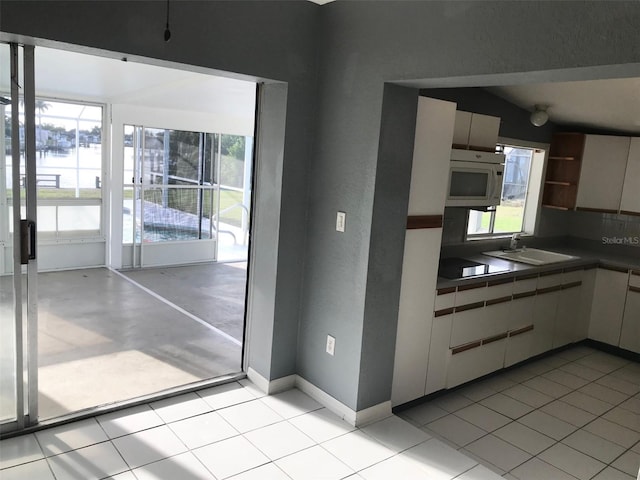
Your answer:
<point x="475" y="178"/>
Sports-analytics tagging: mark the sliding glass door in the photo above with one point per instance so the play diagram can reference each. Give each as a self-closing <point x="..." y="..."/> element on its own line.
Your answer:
<point x="186" y="196"/>
<point x="18" y="262"/>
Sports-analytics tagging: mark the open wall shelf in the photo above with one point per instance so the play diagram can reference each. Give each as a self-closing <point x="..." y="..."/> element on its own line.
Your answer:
<point x="563" y="171"/>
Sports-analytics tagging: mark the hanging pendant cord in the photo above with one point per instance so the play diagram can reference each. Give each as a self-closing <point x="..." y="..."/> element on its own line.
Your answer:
<point x="167" y="32"/>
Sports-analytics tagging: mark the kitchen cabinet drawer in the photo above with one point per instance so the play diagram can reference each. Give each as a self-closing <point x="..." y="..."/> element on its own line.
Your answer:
<point x="499" y="288"/>
<point x="549" y="279"/>
<point x="630" y="332"/>
<point x="445" y="298"/>
<point x="477" y="323"/>
<point x="475" y="362"/>
<point x="472" y="293"/>
<point x="572" y="276"/>
<point x="524" y="284"/>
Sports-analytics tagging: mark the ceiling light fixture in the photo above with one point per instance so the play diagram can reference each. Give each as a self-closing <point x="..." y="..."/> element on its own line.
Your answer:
<point x="539" y="116"/>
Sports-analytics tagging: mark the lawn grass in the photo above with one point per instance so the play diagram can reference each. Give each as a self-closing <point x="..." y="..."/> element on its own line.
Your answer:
<point x="228" y="198"/>
<point x="61" y="193"/>
<point x="508" y="219"/>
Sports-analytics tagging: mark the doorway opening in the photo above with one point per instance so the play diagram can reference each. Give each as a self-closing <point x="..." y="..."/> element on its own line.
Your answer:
<point x="142" y="188"/>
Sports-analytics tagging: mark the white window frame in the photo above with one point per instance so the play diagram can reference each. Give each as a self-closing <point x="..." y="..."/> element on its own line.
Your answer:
<point x="533" y="200"/>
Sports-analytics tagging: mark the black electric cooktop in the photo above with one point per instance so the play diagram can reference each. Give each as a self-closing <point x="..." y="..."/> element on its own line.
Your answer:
<point x="455" y="268"/>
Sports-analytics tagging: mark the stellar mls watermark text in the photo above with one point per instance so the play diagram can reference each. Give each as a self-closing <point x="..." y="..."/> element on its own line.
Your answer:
<point x="629" y="240"/>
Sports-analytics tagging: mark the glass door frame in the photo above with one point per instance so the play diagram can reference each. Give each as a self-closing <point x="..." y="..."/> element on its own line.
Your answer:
<point x="141" y="184"/>
<point x="25" y="264"/>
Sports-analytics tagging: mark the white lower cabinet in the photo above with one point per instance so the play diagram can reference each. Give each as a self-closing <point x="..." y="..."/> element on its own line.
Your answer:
<point x="439" y="353"/>
<point x="476" y="361"/>
<point x="479" y="333"/>
<point x="586" y="297"/>
<point x="478" y="323"/>
<point x="544" y="312"/>
<point x="630" y="333"/>
<point x="480" y="328"/>
<point x="413" y="336"/>
<point x="607" y="307"/>
<point x="568" y="315"/>
<point x="521" y="328"/>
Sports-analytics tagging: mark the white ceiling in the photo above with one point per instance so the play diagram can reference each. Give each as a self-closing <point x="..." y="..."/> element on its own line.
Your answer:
<point x="69" y="75"/>
<point x="612" y="104"/>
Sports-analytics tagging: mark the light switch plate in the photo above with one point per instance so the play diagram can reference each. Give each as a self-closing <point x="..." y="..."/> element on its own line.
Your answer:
<point x="341" y="220"/>
<point x="331" y="345"/>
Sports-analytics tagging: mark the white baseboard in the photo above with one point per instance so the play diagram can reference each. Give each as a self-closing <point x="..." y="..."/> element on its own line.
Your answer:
<point x="352" y="417"/>
<point x="258" y="380"/>
<point x="373" y="414"/>
<point x="271" y="387"/>
<point x="282" y="384"/>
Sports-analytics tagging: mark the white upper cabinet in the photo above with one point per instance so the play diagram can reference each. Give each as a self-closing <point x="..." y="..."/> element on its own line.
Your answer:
<point x="461" y="129"/>
<point x="631" y="188"/>
<point x="431" y="155"/>
<point x="602" y="173"/>
<point x="475" y="131"/>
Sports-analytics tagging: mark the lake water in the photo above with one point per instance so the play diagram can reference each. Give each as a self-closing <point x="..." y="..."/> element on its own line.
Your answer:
<point x="80" y="169"/>
<point x="76" y="168"/>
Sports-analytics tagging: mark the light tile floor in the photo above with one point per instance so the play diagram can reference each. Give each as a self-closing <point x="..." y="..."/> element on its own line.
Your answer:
<point x="233" y="431"/>
<point x="572" y="415"/>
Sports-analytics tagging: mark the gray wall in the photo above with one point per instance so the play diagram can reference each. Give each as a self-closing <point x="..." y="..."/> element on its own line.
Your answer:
<point x="366" y="44"/>
<point x="262" y="40"/>
<point x="338" y="155"/>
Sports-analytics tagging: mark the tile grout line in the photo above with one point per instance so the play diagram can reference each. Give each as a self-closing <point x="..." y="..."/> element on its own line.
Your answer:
<point x="627" y="449"/>
<point x="610" y="464"/>
<point x="572" y="390"/>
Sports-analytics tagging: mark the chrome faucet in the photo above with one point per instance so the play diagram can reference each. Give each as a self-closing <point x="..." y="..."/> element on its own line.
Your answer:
<point x="514" y="244"/>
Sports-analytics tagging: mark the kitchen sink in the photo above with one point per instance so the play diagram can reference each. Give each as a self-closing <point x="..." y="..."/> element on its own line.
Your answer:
<point x="531" y="256"/>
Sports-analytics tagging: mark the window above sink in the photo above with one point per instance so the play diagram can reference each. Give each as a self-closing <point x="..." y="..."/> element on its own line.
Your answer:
<point x="520" y="194"/>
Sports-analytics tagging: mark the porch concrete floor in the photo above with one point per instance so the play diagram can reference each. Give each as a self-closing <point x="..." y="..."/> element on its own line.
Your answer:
<point x="107" y="336"/>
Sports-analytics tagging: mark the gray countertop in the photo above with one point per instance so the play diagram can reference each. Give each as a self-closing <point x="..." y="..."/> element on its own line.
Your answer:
<point x="586" y="257"/>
